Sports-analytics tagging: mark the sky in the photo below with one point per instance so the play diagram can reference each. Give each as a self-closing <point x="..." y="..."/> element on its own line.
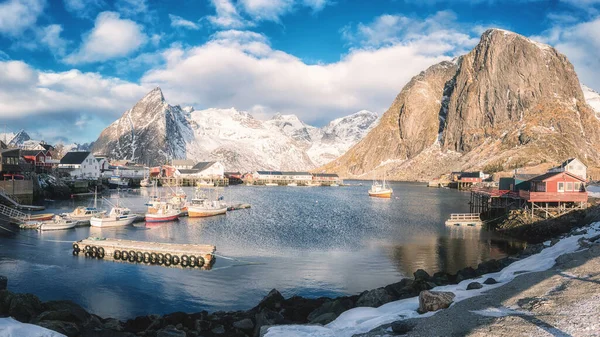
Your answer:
<point x="68" y="68"/>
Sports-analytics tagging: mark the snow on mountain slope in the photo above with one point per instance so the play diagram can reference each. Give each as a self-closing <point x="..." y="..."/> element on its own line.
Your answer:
<point x="154" y="132"/>
<point x="592" y="98"/>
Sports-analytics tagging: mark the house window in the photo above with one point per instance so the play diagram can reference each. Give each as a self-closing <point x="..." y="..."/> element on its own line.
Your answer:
<point x="569" y="187"/>
<point x="577" y="187"/>
<point x="561" y="187"/>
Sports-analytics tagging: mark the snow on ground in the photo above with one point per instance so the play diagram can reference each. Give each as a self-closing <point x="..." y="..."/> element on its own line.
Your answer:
<point x="9" y="327"/>
<point x="362" y="320"/>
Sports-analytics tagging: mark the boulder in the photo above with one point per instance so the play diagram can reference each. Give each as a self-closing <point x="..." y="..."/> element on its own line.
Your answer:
<point x="202" y="325"/>
<point x="374" y="298"/>
<point x="272" y="301"/>
<point x="138" y="324"/>
<point x="440" y="278"/>
<point x="3" y="282"/>
<point x="403" y="327"/>
<point x="244" y="324"/>
<point x="474" y="285"/>
<point x="421" y="275"/>
<point x="401" y="290"/>
<point x="297" y="309"/>
<point x="336" y="307"/>
<point x="170" y="332"/>
<point x="66" y="311"/>
<point x="175" y="318"/>
<point x="490" y="281"/>
<point x="23" y="307"/>
<point x="112" y="324"/>
<point x="465" y="274"/>
<point x="434" y="300"/>
<point x="68" y="329"/>
<point x="326" y="318"/>
<point x="218" y="330"/>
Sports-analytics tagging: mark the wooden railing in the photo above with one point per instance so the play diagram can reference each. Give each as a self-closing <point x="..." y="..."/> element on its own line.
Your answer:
<point x="554" y="196"/>
<point x="465" y="216"/>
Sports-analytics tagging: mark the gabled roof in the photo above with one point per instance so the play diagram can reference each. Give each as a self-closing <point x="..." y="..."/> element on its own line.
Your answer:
<point x="525" y="177"/>
<point x="549" y="175"/>
<point x="568" y="161"/>
<point x="47" y="147"/>
<point x="74" y="157"/>
<point x="297" y="173"/>
<point x="31" y="152"/>
<point x="270" y="173"/>
<point x="469" y="175"/>
<point x="10" y="152"/>
<point x="188" y="171"/>
<point x="201" y="166"/>
<point x="2" y="145"/>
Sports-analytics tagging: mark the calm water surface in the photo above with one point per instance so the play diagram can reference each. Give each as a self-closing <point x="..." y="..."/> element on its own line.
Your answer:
<point x="304" y="241"/>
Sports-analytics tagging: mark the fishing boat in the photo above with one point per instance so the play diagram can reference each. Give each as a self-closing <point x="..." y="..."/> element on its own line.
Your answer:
<point x="57" y="223"/>
<point x="83" y="214"/>
<point x="145" y="182"/>
<point x="206" y="204"/>
<point x="380" y="190"/>
<point x="271" y="184"/>
<point x="292" y="184"/>
<point x="118" y="182"/>
<point x="41" y="217"/>
<point x="161" y="212"/>
<point x="334" y="185"/>
<point x="118" y="216"/>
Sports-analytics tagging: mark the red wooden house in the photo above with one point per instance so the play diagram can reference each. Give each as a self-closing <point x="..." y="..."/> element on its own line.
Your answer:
<point x="37" y="159"/>
<point x="559" y="192"/>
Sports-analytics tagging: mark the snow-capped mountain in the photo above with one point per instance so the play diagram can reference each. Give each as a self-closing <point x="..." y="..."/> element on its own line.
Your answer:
<point x="592" y="98"/>
<point x="154" y="132"/>
<point x="15" y="139"/>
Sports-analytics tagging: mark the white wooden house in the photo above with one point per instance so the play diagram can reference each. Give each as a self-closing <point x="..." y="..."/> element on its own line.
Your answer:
<point x="573" y="166"/>
<point x="80" y="165"/>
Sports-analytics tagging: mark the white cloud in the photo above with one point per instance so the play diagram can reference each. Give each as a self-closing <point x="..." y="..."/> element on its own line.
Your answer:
<point x="266" y="10"/>
<point x="111" y="37"/>
<point x="241" y="69"/>
<point x="580" y="43"/>
<point x="50" y="37"/>
<point x="84" y="8"/>
<point x="18" y="15"/>
<point x="316" y="5"/>
<point x="227" y="15"/>
<point x="178" y="21"/>
<point x="131" y="7"/>
<point x="61" y="92"/>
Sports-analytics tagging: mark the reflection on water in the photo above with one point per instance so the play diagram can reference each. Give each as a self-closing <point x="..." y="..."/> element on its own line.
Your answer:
<point x="303" y="241"/>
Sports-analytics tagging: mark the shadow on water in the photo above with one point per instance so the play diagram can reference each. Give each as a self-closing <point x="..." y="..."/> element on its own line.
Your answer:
<point x="303" y="241"/>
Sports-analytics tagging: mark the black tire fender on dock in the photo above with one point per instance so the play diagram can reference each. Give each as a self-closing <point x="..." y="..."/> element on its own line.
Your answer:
<point x="100" y="254"/>
<point x="167" y="262"/>
<point x="132" y="253"/>
<point x="131" y="257"/>
<point x="93" y="254"/>
<point x="201" y="261"/>
<point x="193" y="261"/>
<point x="101" y="251"/>
<point x="175" y="259"/>
<point x="160" y="257"/>
<point x="185" y="258"/>
<point x="153" y="256"/>
<point x="94" y="249"/>
<point x="184" y="263"/>
<point x="75" y="246"/>
<point x="124" y="255"/>
<point x="117" y="254"/>
<point x="139" y="257"/>
<point x="86" y="249"/>
<point x="168" y="257"/>
<point x="146" y="256"/>
<point x="75" y="252"/>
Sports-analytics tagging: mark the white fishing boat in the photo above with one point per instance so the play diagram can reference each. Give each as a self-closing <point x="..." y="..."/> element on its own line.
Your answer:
<point x="118" y="216"/>
<point x="57" y="223"/>
<point x="292" y="184"/>
<point x="313" y="184"/>
<point x="118" y="182"/>
<point x="162" y="212"/>
<point x="380" y="190"/>
<point x="83" y="214"/>
<point x="206" y="203"/>
<point x="271" y="184"/>
<point x="145" y="182"/>
<point x="334" y="185"/>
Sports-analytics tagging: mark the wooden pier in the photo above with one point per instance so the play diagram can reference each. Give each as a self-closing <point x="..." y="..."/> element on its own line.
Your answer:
<point x="464" y="219"/>
<point x="157" y="253"/>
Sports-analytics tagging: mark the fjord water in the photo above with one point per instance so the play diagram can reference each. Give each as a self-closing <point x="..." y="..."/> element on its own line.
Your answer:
<point x="319" y="241"/>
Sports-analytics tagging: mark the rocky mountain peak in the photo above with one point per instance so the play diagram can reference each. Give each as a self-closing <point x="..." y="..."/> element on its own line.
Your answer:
<point x="510" y="102"/>
<point x="155" y="95"/>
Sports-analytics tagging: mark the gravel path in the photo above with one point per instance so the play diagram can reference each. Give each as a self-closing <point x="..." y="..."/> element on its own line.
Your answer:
<point x="562" y="301"/>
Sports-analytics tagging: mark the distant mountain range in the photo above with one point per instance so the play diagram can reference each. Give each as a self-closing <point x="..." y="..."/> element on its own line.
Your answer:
<point x="155" y="132"/>
<point x="509" y="103"/>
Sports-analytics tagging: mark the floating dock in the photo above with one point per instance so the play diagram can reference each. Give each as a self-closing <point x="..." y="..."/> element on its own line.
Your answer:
<point x="238" y="206"/>
<point x="464" y="219"/>
<point x="157" y="253"/>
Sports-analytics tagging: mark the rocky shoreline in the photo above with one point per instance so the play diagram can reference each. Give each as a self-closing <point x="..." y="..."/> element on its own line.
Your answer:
<point x="72" y="320"/>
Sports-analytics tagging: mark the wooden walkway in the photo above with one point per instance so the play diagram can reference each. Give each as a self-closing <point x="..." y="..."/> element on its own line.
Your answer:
<point x="164" y="254"/>
<point x="464" y="219"/>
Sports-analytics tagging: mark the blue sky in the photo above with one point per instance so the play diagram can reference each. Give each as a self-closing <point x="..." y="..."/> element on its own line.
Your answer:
<point x="68" y="68"/>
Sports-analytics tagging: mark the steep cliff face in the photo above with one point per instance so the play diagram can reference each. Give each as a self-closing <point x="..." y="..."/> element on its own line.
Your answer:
<point x="151" y="132"/>
<point x="510" y="102"/>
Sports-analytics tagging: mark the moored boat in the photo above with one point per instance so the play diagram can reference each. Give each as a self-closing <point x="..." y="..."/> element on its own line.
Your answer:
<point x="162" y="212"/>
<point x="57" y="223"/>
<point x="83" y="214"/>
<point x="271" y="184"/>
<point x="292" y="184"/>
<point x="205" y="205"/>
<point x="145" y="182"/>
<point x="118" y="182"/>
<point x="118" y="216"/>
<point x="41" y="217"/>
<point x="380" y="190"/>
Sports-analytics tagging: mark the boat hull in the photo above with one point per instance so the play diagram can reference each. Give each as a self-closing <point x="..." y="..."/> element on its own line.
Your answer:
<point x="112" y="222"/>
<point x="161" y="218"/>
<point x="194" y="212"/>
<point x="386" y="194"/>
<point x="57" y="226"/>
<point x="41" y="217"/>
